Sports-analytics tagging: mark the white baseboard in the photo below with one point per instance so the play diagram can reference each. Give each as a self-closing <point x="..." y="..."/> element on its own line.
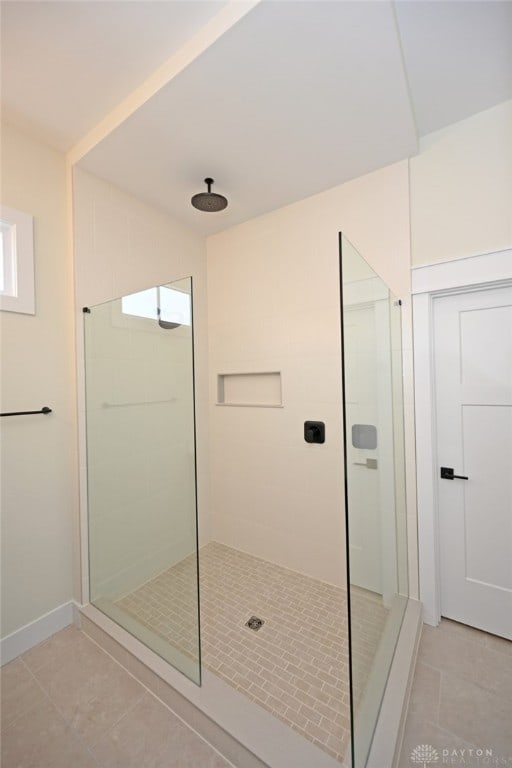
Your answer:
<point x="32" y="634"/>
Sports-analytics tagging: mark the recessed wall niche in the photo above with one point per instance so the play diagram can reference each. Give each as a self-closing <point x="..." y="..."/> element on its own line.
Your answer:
<point x="258" y="390"/>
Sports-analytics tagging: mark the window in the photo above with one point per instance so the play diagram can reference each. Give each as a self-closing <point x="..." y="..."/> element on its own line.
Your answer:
<point x="8" y="266"/>
<point x="16" y="261"/>
<point x="174" y="305"/>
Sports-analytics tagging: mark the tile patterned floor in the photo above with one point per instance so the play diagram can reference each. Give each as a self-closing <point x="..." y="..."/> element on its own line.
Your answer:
<point x="296" y="665"/>
<point x="167" y="605"/>
<point x="368" y="620"/>
<point x="461" y="699"/>
<point x="67" y="704"/>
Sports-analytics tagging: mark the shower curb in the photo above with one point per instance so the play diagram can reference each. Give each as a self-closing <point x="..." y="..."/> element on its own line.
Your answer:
<point x="388" y="736"/>
<point x="249" y="737"/>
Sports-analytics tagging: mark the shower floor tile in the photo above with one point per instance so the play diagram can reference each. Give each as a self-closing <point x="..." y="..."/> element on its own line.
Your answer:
<point x="296" y="665"/>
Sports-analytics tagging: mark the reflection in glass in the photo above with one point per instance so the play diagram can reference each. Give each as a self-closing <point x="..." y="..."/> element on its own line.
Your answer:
<point x="375" y="486"/>
<point x="141" y="469"/>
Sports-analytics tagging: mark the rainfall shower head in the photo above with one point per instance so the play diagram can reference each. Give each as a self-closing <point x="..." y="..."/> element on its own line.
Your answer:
<point x="167" y="325"/>
<point x="209" y="201"/>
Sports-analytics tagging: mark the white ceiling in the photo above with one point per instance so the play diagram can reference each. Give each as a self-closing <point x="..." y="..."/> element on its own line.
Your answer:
<point x="458" y="57"/>
<point x="284" y="105"/>
<point x="295" y="98"/>
<point x="66" y="64"/>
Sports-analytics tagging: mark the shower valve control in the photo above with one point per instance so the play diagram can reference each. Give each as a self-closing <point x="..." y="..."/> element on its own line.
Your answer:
<point x="314" y="432"/>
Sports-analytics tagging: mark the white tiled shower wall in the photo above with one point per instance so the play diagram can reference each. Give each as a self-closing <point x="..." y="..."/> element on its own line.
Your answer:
<point x="274" y="305"/>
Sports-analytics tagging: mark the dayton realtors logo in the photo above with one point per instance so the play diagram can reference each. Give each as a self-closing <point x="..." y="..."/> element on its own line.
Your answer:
<point x="424" y="755"/>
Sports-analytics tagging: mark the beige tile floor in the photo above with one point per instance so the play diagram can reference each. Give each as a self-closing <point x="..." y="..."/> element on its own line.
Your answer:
<point x="296" y="665"/>
<point x="461" y="699"/>
<point x="67" y="704"/>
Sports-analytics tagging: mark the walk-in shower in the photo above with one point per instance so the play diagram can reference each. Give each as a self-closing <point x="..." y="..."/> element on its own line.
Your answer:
<point x="321" y="653"/>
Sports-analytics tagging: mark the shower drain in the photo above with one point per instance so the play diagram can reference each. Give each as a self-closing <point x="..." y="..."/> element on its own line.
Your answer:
<point x="255" y="623"/>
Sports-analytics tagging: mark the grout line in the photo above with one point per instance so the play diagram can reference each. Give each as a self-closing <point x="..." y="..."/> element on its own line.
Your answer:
<point x="453" y="672"/>
<point x="292" y="602"/>
<point x="438" y="707"/>
<point x="32" y="704"/>
<point x="154" y="695"/>
<point x="126" y="712"/>
<point x="451" y="734"/>
<point x="76" y="736"/>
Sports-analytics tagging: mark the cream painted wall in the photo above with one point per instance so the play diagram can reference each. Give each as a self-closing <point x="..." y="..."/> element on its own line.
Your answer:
<point x="39" y="456"/>
<point x="273" y="290"/>
<point x="461" y="189"/>
<point x="122" y="246"/>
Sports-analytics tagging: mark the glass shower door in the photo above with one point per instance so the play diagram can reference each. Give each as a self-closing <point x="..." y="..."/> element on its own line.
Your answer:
<point x="141" y="478"/>
<point x="375" y="487"/>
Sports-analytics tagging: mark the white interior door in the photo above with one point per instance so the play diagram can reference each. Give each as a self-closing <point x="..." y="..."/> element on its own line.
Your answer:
<point x="473" y="383"/>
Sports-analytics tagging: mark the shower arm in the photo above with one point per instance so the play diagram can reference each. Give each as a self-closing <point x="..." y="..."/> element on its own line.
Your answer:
<point x="167" y="325"/>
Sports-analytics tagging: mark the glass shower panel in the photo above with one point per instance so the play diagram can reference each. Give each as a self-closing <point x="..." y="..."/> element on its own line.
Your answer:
<point x="141" y="479"/>
<point x="375" y="487"/>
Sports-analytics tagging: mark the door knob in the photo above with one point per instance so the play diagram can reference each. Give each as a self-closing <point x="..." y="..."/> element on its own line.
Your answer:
<point x="447" y="473"/>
